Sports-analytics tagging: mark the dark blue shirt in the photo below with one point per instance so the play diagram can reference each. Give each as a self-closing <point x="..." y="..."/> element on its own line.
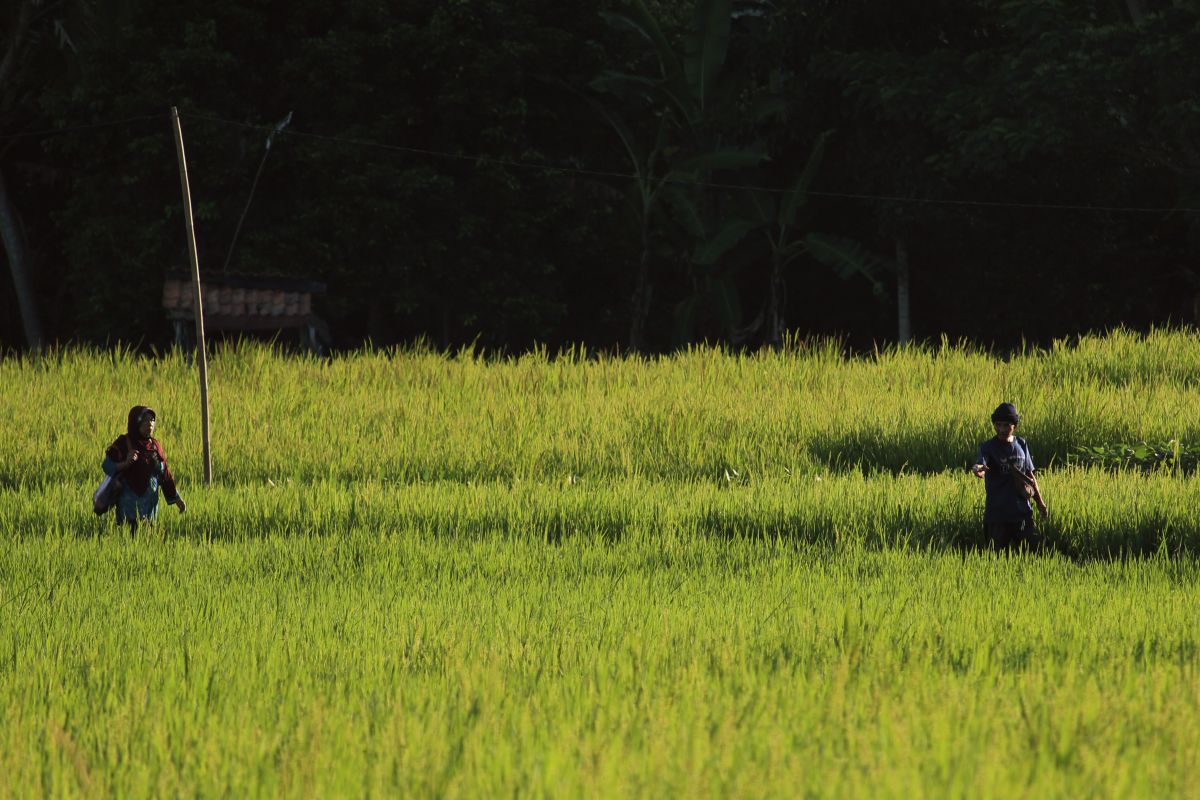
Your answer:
<point x="1005" y="501"/>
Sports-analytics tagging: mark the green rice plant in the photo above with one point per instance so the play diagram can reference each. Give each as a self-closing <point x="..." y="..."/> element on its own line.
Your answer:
<point x="403" y="663"/>
<point x="1093" y="512"/>
<point x="704" y="575"/>
<point x="414" y="415"/>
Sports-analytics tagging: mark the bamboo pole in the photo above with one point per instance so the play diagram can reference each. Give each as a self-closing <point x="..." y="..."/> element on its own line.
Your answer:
<point x="198" y="303"/>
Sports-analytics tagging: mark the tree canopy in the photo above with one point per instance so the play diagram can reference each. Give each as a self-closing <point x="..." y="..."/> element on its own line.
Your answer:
<point x="634" y="173"/>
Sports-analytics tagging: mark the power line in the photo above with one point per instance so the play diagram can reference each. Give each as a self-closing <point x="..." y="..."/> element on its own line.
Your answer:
<point x="594" y="173"/>
<point x="1003" y="204"/>
<point x="426" y="152"/>
<point x="706" y="184"/>
<point x="90" y="126"/>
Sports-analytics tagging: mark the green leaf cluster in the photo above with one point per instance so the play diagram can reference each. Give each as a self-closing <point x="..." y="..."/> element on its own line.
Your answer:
<point x="1169" y="456"/>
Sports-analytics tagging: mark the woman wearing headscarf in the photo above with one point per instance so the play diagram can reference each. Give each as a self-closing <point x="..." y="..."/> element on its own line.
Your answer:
<point x="137" y="460"/>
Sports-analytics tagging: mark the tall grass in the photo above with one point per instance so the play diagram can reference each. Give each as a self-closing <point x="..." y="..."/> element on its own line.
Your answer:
<point x="1093" y="513"/>
<point x="413" y="665"/>
<point x="418" y="416"/>
<point x="704" y="575"/>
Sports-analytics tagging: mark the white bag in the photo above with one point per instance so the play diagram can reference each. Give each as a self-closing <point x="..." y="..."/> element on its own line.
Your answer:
<point x="106" y="494"/>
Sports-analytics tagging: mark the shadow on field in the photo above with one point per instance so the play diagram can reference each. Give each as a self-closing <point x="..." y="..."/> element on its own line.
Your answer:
<point x="1089" y="532"/>
<point x="907" y="449"/>
<point x="824" y="530"/>
<point x="1148" y="536"/>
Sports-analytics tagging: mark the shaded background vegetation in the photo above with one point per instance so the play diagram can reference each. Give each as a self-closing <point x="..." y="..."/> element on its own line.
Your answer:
<point x="1018" y="105"/>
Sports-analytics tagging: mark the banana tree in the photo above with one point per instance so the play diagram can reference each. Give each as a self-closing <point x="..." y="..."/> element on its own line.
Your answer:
<point x="777" y="217"/>
<point x="659" y="199"/>
<point x="713" y="264"/>
<point x="689" y="102"/>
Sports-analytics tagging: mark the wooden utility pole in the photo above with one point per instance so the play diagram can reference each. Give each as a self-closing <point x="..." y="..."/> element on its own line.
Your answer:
<point x="198" y="302"/>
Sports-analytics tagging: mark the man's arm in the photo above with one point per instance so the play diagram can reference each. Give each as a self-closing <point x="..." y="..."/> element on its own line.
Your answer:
<point x="1043" y="509"/>
<point x="1037" y="490"/>
<point x="980" y="468"/>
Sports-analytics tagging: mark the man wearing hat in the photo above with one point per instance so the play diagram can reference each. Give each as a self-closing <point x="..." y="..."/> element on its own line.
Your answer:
<point x="1007" y="468"/>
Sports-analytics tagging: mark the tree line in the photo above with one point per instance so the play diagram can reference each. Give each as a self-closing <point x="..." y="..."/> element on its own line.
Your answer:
<point x="633" y="174"/>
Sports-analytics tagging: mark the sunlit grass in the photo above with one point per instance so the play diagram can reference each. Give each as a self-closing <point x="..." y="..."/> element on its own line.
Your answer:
<point x="373" y="663"/>
<point x="1093" y="513"/>
<point x="705" y="575"/>
<point x="414" y="415"/>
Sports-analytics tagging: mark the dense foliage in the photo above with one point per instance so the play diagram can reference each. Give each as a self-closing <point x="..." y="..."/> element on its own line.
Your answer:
<point x="1029" y="103"/>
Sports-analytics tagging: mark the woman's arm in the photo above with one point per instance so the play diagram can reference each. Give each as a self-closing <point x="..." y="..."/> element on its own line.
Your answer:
<point x="167" y="480"/>
<point x="111" y="466"/>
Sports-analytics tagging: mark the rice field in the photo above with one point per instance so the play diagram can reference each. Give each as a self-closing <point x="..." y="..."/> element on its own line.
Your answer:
<point x="708" y="574"/>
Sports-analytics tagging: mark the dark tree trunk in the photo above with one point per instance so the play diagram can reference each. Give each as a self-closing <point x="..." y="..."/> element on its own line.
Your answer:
<point x="640" y="302"/>
<point x="18" y="264"/>
<point x="775" y="321"/>
<point x="903" y="317"/>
